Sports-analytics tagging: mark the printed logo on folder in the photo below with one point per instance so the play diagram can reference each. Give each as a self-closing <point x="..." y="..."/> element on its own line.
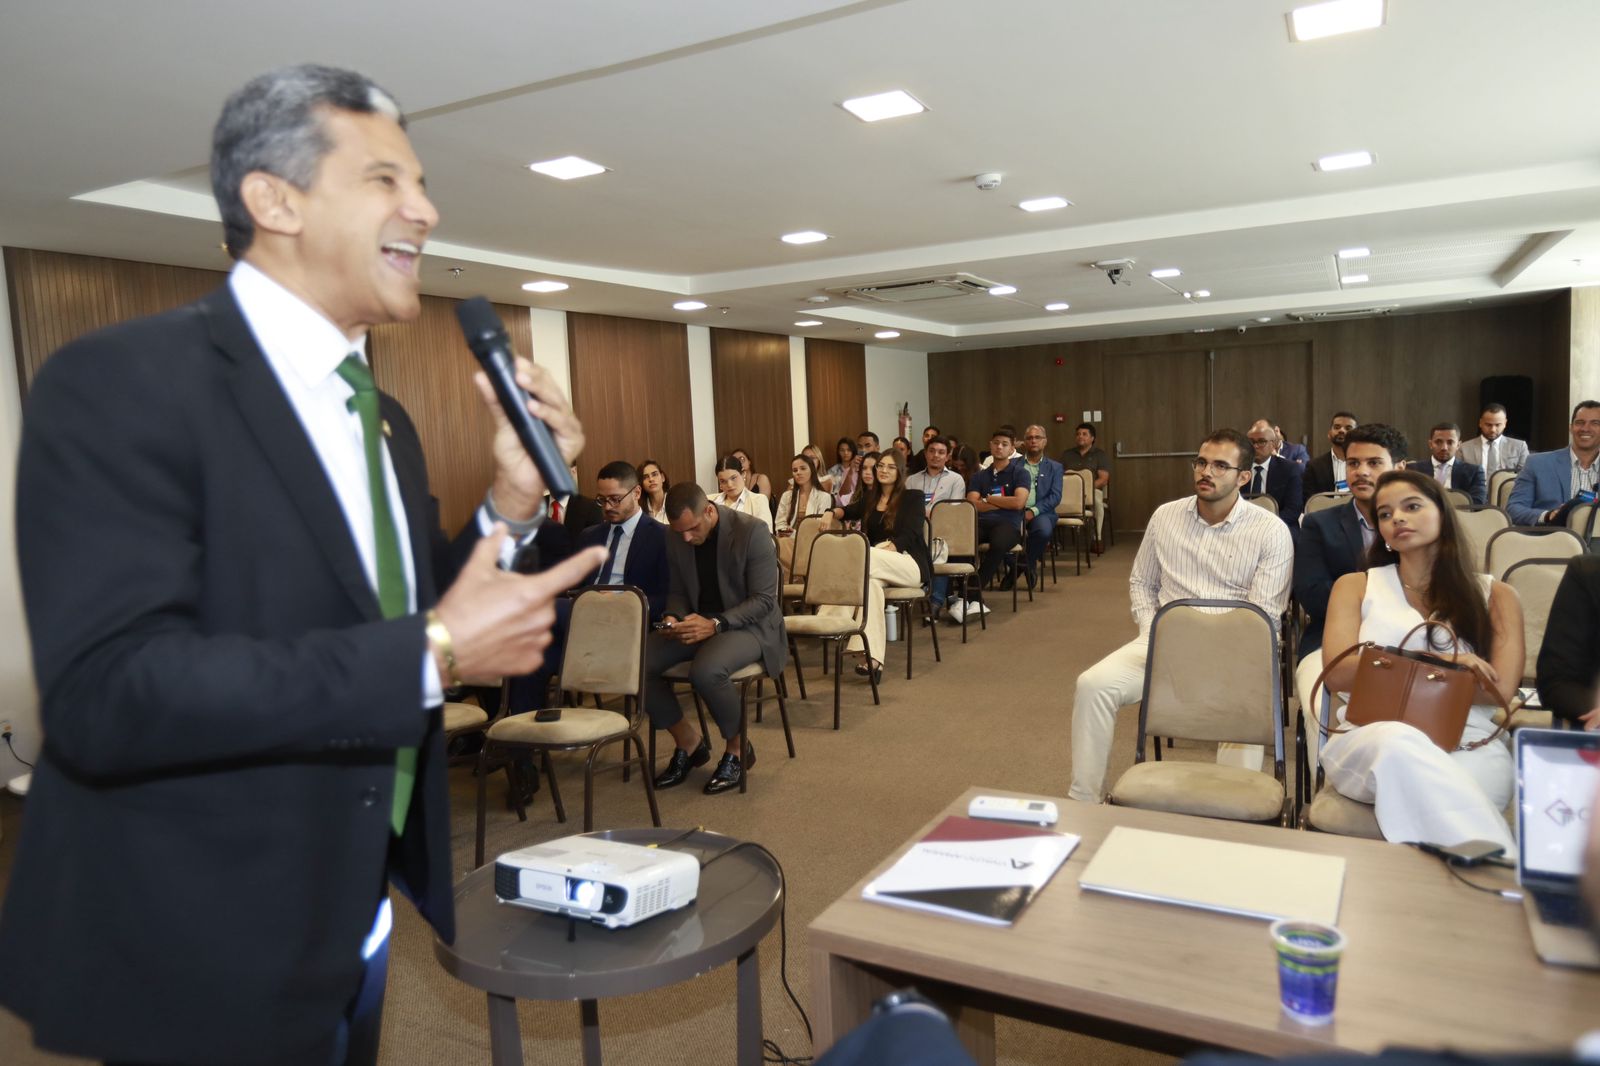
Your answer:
<point x="985" y="871"/>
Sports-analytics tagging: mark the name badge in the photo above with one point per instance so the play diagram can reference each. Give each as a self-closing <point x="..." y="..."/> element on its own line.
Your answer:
<point x="1586" y="496"/>
<point x="1341" y="486"/>
<point x="997" y="491"/>
<point x="927" y="498"/>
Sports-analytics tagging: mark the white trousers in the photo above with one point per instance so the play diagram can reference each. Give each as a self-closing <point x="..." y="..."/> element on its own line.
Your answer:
<point x="1099" y="512"/>
<point x="888" y="568"/>
<point x="1103" y="689"/>
<point x="1419" y="791"/>
<point x="1305" y="675"/>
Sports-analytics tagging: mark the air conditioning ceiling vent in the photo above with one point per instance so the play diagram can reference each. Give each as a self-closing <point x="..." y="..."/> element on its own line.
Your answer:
<point x="917" y="290"/>
<point x="1334" y="316"/>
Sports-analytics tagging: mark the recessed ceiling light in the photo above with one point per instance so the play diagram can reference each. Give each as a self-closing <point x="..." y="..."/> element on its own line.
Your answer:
<point x="887" y="334"/>
<point x="805" y="236"/>
<point x="1202" y="293"/>
<point x="1334" y="17"/>
<point x="1345" y="161"/>
<point x="816" y="299"/>
<point x="809" y="322"/>
<point x="567" y="167"/>
<point x="1206" y="329"/>
<point x="1166" y="272"/>
<point x="1045" y="203"/>
<point x="689" y="305"/>
<point x="1057" y="306"/>
<point x="545" y="286"/>
<point x="1264" y="318"/>
<point x="1352" y="279"/>
<point x="1354" y="253"/>
<point x="1002" y="290"/>
<point x="880" y="106"/>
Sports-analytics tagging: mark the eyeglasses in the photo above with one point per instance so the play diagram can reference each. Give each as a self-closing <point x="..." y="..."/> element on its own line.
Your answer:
<point x="612" y="501"/>
<point x="1215" y="468"/>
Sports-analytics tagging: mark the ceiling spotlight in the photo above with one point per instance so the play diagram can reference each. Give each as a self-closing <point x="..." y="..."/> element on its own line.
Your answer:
<point x="689" y="305"/>
<point x="1264" y="318"/>
<point x="816" y="299"/>
<point x="1334" y="17"/>
<point x="805" y="236"/>
<point x="1354" y="253"/>
<point x="1202" y="293"/>
<point x="1166" y="272"/>
<point x="1002" y="290"/>
<point x="876" y="108"/>
<point x="1345" y="161"/>
<point x="544" y="286"/>
<point x="456" y="272"/>
<point x="1206" y="329"/>
<point x="1352" y="279"/>
<point x="567" y="167"/>
<point x="1045" y="203"/>
<point x="809" y="322"/>
<point x="887" y="334"/>
<point x="1057" y="306"/>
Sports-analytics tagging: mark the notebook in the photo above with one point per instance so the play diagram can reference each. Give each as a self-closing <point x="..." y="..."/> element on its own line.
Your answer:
<point x="1558" y="773"/>
<point x="1217" y="875"/>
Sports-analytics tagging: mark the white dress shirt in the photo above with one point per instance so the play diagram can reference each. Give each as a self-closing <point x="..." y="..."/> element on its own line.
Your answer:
<point x="1441" y="471"/>
<point x="1583" y="477"/>
<point x="1338" y="470"/>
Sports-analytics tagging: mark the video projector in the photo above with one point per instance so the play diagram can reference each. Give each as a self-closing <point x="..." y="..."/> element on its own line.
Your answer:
<point x="597" y="880"/>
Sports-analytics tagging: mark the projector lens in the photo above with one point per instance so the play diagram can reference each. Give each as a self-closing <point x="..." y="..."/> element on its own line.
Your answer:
<point x="585" y="894"/>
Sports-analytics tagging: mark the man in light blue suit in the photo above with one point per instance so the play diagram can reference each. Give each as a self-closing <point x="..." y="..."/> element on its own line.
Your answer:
<point x="1039" y="513"/>
<point x="1551" y="481"/>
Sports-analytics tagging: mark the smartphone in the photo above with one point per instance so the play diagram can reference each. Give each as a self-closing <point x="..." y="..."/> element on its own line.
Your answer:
<point x="1466" y="853"/>
<point x="665" y="623"/>
<point x="549" y="714"/>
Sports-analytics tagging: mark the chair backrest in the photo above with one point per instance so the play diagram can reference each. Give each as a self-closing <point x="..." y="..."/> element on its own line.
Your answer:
<point x="1581" y="520"/>
<point x="1072" y="497"/>
<point x="839" y="570"/>
<point x="605" y="641"/>
<point x="956" y="523"/>
<point x="805" y="532"/>
<point x="1212" y="674"/>
<point x="1457" y="498"/>
<point x="1500" y="483"/>
<point x="1510" y="546"/>
<point x="1321" y="501"/>
<point x="1478" y="524"/>
<point x="1535" y="581"/>
<point x="1263" y="501"/>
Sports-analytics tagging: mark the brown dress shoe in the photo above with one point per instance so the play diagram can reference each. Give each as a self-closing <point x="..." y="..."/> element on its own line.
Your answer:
<point x="1098" y="547"/>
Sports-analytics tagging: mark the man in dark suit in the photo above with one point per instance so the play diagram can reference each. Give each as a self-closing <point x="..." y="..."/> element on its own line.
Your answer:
<point x="1292" y="450"/>
<point x="636" y="547"/>
<point x="1273" y="475"/>
<point x="1448" y="468"/>
<point x="228" y="557"/>
<point x="1326" y="472"/>
<point x="1569" y="658"/>
<point x="722" y="603"/>
<point x="573" y="515"/>
<point x="1334" y="542"/>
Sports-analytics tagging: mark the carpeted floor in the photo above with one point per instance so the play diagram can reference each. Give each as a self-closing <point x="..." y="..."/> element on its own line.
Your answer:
<point x="995" y="712"/>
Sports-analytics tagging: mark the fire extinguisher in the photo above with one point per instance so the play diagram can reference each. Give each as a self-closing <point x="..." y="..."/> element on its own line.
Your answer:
<point x="905" y="420"/>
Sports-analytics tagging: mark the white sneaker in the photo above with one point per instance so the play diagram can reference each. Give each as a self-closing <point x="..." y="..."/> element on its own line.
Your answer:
<point x="977" y="607"/>
<point x="956" y="611"/>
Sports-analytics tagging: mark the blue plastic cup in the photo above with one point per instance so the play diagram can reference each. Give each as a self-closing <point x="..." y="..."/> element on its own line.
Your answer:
<point x="1308" y="968"/>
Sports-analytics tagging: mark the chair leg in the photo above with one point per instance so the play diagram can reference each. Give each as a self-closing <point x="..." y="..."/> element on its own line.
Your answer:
<point x="782" y="688"/>
<point x="649" y="785"/>
<point x="838" y="667"/>
<point x="588" y="789"/>
<point x="483" y="786"/>
<point x="516" y="790"/>
<point x="627" y="755"/>
<point x="799" y="674"/>
<point x="905" y="623"/>
<point x="760" y="686"/>
<point x="933" y="628"/>
<point x="555" y="789"/>
<point x="966" y="582"/>
<point x="872" y="675"/>
<point x="744" y="735"/>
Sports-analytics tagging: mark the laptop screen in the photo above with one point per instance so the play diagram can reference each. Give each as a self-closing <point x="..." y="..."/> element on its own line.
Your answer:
<point x="1558" y="773"/>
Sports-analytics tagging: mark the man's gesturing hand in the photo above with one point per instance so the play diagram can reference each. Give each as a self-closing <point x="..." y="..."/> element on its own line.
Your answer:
<point x="518" y="487"/>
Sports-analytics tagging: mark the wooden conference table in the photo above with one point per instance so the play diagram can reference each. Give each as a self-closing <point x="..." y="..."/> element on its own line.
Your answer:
<point x="1430" y="962"/>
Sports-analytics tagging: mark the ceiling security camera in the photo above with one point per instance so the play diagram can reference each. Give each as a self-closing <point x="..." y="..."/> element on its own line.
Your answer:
<point x="1240" y="329"/>
<point x="1114" y="275"/>
<point x="987" y="182"/>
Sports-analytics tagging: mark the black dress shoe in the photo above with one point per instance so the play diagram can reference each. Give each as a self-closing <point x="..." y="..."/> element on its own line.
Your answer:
<point x="524" y="783"/>
<point x="682" y="762"/>
<point x="729" y="771"/>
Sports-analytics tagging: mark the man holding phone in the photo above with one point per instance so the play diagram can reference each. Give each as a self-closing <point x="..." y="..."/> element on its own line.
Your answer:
<point x="1552" y="482"/>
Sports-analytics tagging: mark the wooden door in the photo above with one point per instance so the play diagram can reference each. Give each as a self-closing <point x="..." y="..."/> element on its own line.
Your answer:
<point x="1155" y="420"/>
<point x="1271" y="381"/>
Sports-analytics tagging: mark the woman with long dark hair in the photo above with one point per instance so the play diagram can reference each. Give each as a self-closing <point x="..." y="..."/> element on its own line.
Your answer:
<point x="892" y="519"/>
<point x="803" y="497"/>
<point x="653" y="486"/>
<point x="753" y="480"/>
<point x="733" y="494"/>
<point x="1416" y="571"/>
<point x="845" y="473"/>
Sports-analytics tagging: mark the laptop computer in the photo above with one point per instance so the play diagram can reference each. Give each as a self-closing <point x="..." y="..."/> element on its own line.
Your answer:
<point x="1558" y="774"/>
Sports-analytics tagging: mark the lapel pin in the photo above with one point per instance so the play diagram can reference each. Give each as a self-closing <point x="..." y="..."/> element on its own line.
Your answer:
<point x="387" y="432"/>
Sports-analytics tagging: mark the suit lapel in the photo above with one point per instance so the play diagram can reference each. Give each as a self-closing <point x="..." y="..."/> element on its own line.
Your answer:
<point x="725" y="558"/>
<point x="410" y="471"/>
<point x="272" y="421"/>
<point x="1350" y="522"/>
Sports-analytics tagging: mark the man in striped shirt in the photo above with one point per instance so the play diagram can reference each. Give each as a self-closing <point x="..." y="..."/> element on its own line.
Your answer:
<point x="1212" y="545"/>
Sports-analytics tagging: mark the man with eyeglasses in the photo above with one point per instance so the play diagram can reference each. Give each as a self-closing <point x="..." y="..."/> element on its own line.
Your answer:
<point x="1212" y="545"/>
<point x="1552" y="482"/>
<point x="1272" y="475"/>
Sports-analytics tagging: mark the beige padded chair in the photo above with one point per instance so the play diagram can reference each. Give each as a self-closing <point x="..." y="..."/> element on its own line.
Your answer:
<point x="744" y="677"/>
<point x="1581" y="520"/>
<point x="1073" y="515"/>
<point x="604" y="655"/>
<point x="1510" y="546"/>
<point x="1194" y="693"/>
<point x="1500" y="485"/>
<point x="836" y="577"/>
<point x="1535" y="582"/>
<point x="1458" y="499"/>
<point x="906" y="598"/>
<point x="1321" y="501"/>
<point x="1330" y="811"/>
<point x="1092" y="509"/>
<point x="805" y="531"/>
<point x="1263" y="501"/>
<point x="1478" y="524"/>
<point x="1015" y="554"/>
<point x="956" y="523"/>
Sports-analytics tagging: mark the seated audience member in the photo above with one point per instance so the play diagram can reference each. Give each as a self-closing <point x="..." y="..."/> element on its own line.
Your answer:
<point x="892" y="519"/>
<point x="1212" y="545"/>
<point x="1325" y="473"/>
<point x="571" y="515"/>
<point x="936" y="482"/>
<point x="1416" y="569"/>
<point x="653" y="484"/>
<point x="919" y="462"/>
<point x="1085" y="455"/>
<point x="1550" y="482"/>
<point x="1273" y="475"/>
<point x="986" y="459"/>
<point x="869" y="471"/>
<point x="1334" y="542"/>
<point x="755" y="482"/>
<point x="1294" y="452"/>
<point x="803" y="497"/>
<point x="867" y="441"/>
<point x="844" y="476"/>
<point x="1569" y="658"/>
<point x="999" y="493"/>
<point x="903" y="447"/>
<point x="1044" y="493"/>
<point x="816" y="457"/>
<point x="735" y="495"/>
<point x="722" y="601"/>
<point x="1492" y="449"/>
<point x="963" y="460"/>
<point x="1448" y="468"/>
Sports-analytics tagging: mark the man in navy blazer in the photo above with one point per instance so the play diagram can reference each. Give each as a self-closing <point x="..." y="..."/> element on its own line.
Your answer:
<point x="1551" y="480"/>
<point x="636" y="546"/>
<point x="241" y="688"/>
<point x="1294" y="452"/>
<point x="1448" y="467"/>
<point x="1274" y="475"/>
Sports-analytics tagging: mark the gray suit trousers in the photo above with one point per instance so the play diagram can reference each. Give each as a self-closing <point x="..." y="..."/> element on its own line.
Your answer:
<point x="714" y="660"/>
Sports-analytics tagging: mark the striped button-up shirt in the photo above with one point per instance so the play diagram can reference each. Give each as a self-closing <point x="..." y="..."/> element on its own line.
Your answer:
<point x="1247" y="556"/>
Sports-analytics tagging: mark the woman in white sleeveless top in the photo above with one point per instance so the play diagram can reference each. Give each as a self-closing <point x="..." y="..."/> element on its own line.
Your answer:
<point x="1416" y="570"/>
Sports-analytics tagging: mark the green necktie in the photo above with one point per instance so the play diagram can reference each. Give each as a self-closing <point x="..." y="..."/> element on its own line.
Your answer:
<point x="392" y="588"/>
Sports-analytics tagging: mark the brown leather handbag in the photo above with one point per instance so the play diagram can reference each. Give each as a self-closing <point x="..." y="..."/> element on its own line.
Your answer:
<point x="1418" y="688"/>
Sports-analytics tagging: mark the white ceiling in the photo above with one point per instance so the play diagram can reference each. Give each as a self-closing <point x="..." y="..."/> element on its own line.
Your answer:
<point x="1182" y="131"/>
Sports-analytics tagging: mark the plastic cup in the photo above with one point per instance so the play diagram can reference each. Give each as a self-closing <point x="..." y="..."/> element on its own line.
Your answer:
<point x="1308" y="968"/>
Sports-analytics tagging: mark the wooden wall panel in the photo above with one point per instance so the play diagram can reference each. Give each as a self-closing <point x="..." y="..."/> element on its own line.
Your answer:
<point x="836" y="392"/>
<point x="630" y="386"/>
<point x="972" y="393"/>
<point x="753" y="402"/>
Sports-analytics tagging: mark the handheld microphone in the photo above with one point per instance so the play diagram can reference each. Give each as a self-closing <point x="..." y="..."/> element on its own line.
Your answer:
<point x="486" y="336"/>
